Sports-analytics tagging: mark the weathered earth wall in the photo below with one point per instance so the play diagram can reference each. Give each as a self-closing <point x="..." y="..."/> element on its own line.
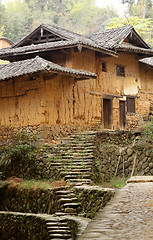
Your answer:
<point x="123" y="153"/>
<point x="146" y="90"/>
<point x="4" y="43"/>
<point x="61" y="103"/>
<point x="92" y="198"/>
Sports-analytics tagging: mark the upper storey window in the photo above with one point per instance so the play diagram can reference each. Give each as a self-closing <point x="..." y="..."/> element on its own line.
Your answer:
<point x="120" y="70"/>
<point x="104" y="66"/>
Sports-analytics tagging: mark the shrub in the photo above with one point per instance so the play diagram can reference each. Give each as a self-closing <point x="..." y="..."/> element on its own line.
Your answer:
<point x="20" y="151"/>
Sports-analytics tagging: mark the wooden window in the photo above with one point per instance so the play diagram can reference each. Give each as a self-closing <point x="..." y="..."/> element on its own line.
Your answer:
<point x="103" y="66"/>
<point x="120" y="70"/>
<point x="130" y="105"/>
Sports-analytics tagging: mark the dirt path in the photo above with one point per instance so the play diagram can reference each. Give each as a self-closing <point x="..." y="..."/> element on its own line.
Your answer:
<point x="129" y="215"/>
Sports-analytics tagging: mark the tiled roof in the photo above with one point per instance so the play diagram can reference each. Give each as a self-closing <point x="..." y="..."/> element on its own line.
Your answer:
<point x="148" y="61"/>
<point x="129" y="48"/>
<point x="66" y="34"/>
<point x="53" y="46"/>
<point x="37" y="64"/>
<point x="112" y="38"/>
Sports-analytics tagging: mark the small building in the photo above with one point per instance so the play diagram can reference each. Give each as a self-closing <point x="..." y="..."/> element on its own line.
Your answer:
<point x="58" y="78"/>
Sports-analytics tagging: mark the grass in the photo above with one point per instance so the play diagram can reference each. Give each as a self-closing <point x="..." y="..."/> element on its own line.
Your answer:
<point x="118" y="182"/>
<point x="33" y="184"/>
<point x="115" y="182"/>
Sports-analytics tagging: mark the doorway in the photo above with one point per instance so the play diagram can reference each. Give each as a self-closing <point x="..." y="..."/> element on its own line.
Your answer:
<point x="122" y="114"/>
<point x="107" y="113"/>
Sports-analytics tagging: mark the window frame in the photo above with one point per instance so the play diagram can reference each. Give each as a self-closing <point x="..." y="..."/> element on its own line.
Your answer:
<point x="130" y="102"/>
<point x="104" y="68"/>
<point x="120" y="70"/>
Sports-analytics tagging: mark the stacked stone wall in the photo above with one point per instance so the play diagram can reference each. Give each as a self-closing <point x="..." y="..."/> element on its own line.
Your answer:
<point x="92" y="198"/>
<point x="123" y="153"/>
<point x="29" y="200"/>
<point x="15" y="226"/>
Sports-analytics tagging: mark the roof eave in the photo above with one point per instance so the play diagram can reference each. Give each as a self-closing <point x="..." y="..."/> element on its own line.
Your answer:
<point x="7" y="56"/>
<point x="140" y="39"/>
<point x="135" y="51"/>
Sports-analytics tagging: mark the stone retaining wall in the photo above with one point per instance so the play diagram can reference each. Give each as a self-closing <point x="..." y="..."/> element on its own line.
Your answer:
<point x="29" y="200"/>
<point x="92" y="198"/>
<point x="28" y="226"/>
<point x="123" y="153"/>
<point x="15" y="226"/>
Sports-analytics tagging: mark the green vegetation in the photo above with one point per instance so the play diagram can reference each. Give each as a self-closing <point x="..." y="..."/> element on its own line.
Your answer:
<point x="142" y="26"/>
<point x="118" y="182"/>
<point x="33" y="184"/>
<point x="19" y="17"/>
<point x="148" y="131"/>
<point x="21" y="148"/>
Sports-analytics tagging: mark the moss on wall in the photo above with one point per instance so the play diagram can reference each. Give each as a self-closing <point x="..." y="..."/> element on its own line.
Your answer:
<point x="22" y="227"/>
<point x="92" y="199"/>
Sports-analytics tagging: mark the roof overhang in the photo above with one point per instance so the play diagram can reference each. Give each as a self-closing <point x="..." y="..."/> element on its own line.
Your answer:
<point x="39" y="65"/>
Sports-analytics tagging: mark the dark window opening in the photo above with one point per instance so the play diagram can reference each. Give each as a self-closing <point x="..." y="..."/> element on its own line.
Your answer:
<point x="130" y="105"/>
<point x="120" y="71"/>
<point x="104" y="67"/>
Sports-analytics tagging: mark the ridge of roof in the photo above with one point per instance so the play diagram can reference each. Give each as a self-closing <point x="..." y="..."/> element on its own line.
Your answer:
<point x="112" y="38"/>
<point x="67" y="34"/>
<point x="38" y="64"/>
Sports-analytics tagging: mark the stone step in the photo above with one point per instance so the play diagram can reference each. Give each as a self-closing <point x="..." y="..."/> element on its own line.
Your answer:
<point x="72" y="144"/>
<point x="80" y="141"/>
<point x="71" y="205"/>
<point x="63" y="192"/>
<point x="77" y="168"/>
<point x="82" y="177"/>
<point x="67" y="200"/>
<point x="77" y="147"/>
<point x="76" y="151"/>
<point x="72" y="159"/>
<point x="70" y="211"/>
<point x="58" y="214"/>
<point x="61" y="231"/>
<point x="57" y="227"/>
<point x="83" y="165"/>
<point x="75" y="173"/>
<point x="50" y="224"/>
<point x="76" y="157"/>
<point x="84" y="181"/>
<point x="58" y="235"/>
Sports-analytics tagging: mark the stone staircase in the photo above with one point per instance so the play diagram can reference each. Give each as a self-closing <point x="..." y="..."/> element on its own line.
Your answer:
<point x="58" y="229"/>
<point x="68" y="203"/>
<point x="74" y="158"/>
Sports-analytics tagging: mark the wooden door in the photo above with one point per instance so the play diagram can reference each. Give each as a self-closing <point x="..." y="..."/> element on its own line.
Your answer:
<point x="107" y="113"/>
<point x="122" y="114"/>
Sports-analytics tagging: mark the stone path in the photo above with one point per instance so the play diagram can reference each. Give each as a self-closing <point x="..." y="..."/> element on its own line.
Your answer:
<point x="129" y="215"/>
